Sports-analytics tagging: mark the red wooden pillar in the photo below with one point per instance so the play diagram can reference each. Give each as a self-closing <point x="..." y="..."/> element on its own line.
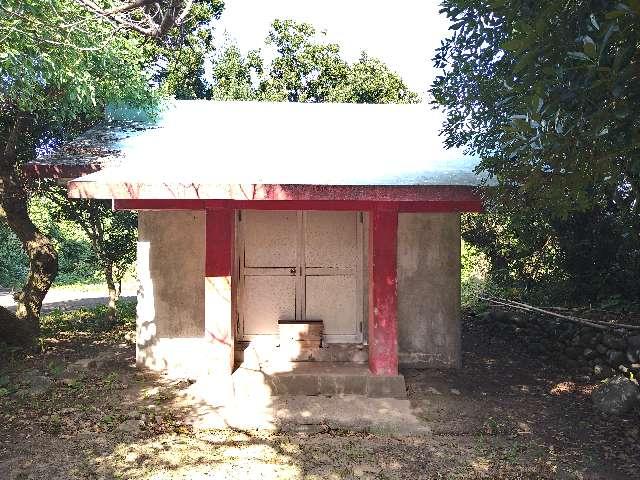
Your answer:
<point x="218" y="315"/>
<point x="383" y="302"/>
<point x="219" y="242"/>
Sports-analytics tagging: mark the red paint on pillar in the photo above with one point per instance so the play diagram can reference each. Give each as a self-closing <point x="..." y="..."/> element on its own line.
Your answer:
<point x="383" y="300"/>
<point x="219" y="243"/>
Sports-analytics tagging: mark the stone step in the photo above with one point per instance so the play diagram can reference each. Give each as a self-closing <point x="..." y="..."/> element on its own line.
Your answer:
<point x="262" y="352"/>
<point x="315" y="378"/>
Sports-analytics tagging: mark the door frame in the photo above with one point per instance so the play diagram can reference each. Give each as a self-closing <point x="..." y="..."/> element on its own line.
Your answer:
<point x="361" y="282"/>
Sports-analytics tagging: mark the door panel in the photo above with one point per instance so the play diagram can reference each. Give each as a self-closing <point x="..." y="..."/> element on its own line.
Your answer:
<point x="333" y="299"/>
<point x="268" y="299"/>
<point x="332" y="260"/>
<point x="330" y="239"/>
<point x="270" y="239"/>
<point x="268" y="270"/>
<point x="297" y="265"/>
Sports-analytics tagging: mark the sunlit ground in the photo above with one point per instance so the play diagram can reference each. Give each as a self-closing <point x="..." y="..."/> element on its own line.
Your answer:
<point x="500" y="417"/>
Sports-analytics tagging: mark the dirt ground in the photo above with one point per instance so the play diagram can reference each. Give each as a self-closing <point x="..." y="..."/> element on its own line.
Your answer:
<point x="504" y="415"/>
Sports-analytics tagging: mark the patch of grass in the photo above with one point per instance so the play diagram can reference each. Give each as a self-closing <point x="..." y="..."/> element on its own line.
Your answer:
<point x="90" y="320"/>
<point x="55" y="369"/>
<point x="112" y="377"/>
<point x="53" y="425"/>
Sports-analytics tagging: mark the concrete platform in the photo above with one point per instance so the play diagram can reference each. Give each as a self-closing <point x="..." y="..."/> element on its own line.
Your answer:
<point x="301" y="396"/>
<point x="203" y="409"/>
<point x="315" y="378"/>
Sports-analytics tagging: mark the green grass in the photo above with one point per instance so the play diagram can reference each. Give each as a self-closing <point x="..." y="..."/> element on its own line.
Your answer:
<point x="90" y="320"/>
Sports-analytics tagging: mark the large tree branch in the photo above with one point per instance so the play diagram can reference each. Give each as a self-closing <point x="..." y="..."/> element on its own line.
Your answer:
<point x="151" y="18"/>
<point x="127" y="7"/>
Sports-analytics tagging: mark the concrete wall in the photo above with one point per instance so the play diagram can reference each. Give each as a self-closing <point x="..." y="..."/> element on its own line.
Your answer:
<point x="429" y="289"/>
<point x="171" y="296"/>
<point x="175" y="335"/>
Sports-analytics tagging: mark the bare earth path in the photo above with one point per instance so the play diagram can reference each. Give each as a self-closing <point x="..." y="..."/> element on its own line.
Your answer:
<point x="67" y="298"/>
<point x="504" y="415"/>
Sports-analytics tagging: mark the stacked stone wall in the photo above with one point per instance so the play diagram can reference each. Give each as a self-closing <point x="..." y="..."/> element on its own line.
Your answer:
<point x="602" y="353"/>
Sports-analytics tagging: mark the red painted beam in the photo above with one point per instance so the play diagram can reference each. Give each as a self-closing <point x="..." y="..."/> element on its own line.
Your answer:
<point x="335" y="205"/>
<point x="219" y="243"/>
<point x="383" y="299"/>
<point x="260" y="193"/>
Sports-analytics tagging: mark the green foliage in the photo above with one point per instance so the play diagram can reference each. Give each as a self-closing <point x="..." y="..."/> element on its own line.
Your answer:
<point x="13" y="261"/>
<point x="474" y="276"/>
<point x="305" y="68"/>
<point x="232" y="74"/>
<point x="543" y="93"/>
<point x="59" y="66"/>
<point x="90" y="320"/>
<point x="111" y="235"/>
<point x="79" y="262"/>
<point x="371" y="81"/>
<point x="58" y="63"/>
<point x="523" y="253"/>
<point x="590" y="256"/>
<point x="76" y="261"/>
<point x="178" y="61"/>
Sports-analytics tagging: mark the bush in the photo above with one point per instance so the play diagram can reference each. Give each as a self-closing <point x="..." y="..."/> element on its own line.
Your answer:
<point x="14" y="264"/>
<point x="474" y="277"/>
<point x="76" y="260"/>
<point x="586" y="258"/>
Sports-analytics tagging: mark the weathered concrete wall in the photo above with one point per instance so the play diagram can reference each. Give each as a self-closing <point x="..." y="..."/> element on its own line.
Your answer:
<point x="171" y="296"/>
<point x="429" y="289"/>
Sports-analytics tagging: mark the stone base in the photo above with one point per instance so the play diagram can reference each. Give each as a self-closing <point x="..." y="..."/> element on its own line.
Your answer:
<point x="316" y="378"/>
<point x="425" y="361"/>
<point x="269" y="351"/>
<point x="184" y="357"/>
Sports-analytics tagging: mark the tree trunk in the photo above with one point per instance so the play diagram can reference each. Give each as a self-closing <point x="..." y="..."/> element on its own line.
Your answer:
<point x="114" y="294"/>
<point x="43" y="259"/>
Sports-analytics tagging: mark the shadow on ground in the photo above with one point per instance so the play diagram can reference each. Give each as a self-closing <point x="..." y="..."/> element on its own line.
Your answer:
<point x="80" y="409"/>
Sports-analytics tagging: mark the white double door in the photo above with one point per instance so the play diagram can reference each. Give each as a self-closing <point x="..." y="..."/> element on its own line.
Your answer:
<point x="300" y="265"/>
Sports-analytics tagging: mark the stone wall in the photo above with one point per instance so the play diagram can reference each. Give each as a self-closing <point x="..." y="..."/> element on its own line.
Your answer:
<point x="602" y="353"/>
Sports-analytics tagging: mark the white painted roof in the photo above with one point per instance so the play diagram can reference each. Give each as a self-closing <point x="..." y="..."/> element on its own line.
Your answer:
<point x="279" y="143"/>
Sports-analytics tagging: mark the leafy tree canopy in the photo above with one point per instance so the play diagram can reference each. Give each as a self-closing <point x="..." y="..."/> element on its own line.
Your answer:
<point x="178" y="60"/>
<point x="305" y="68"/>
<point x="546" y="92"/>
<point x="58" y="63"/>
